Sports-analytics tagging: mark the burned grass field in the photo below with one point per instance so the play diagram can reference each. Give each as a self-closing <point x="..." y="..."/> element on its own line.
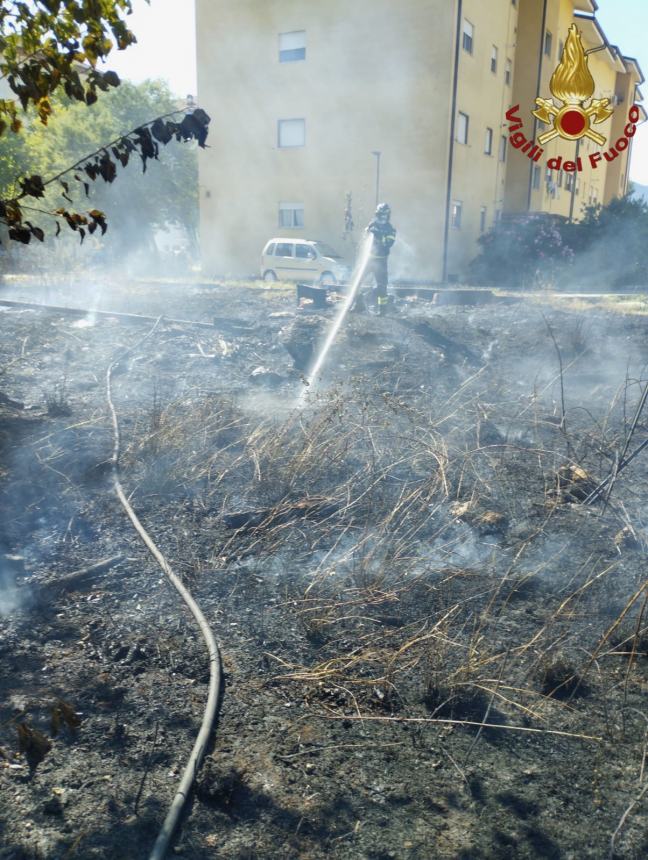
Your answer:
<point x="430" y="606"/>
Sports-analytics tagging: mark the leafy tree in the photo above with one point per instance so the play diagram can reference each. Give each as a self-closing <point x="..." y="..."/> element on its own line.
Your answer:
<point x="45" y="44"/>
<point x="14" y="162"/>
<point x="141" y="202"/>
<point x="49" y="48"/>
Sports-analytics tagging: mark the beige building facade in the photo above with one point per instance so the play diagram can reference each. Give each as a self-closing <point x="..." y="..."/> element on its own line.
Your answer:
<point x="406" y="102"/>
<point x="532" y="187"/>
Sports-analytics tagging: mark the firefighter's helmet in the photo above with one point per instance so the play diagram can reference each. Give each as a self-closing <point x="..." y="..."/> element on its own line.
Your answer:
<point x="383" y="210"/>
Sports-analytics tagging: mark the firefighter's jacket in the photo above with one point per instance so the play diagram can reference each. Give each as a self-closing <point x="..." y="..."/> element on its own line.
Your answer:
<point x="384" y="237"/>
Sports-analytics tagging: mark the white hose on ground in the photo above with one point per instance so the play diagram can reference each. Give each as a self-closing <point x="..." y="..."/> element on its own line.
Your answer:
<point x="215" y="667"/>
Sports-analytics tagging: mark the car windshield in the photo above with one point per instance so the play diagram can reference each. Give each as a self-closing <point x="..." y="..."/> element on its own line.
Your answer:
<point x="326" y="250"/>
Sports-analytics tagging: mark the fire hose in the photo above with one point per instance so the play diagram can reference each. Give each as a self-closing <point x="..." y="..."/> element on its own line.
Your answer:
<point x="214" y="695"/>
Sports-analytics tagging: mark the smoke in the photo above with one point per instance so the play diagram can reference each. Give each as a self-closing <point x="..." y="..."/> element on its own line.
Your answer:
<point x="11" y="598"/>
<point x="404" y="261"/>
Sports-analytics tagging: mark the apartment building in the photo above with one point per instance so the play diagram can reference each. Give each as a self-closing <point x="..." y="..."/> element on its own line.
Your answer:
<point x="533" y="187"/>
<point x="403" y="101"/>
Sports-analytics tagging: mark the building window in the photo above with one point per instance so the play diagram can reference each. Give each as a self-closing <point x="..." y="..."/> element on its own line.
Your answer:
<point x="536" y="176"/>
<point x="291" y="132"/>
<point x="292" y="46"/>
<point x="462" y="127"/>
<point x="488" y="142"/>
<point x="560" y="179"/>
<point x="493" y="64"/>
<point x="502" y="149"/>
<point x="482" y="219"/>
<point x="455" y="218"/>
<point x="291" y="214"/>
<point x="569" y="181"/>
<point x="468" y="33"/>
<point x="548" y="43"/>
<point x="508" y="73"/>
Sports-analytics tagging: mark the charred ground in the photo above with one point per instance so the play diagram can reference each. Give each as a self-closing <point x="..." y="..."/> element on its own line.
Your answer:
<point x="432" y="646"/>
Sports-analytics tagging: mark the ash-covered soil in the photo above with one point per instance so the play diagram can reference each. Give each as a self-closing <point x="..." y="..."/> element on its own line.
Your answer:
<point x="433" y="645"/>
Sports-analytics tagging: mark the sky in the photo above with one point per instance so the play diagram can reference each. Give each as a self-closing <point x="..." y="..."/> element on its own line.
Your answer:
<point x="625" y="23"/>
<point x="166" y="45"/>
<point x="166" y="49"/>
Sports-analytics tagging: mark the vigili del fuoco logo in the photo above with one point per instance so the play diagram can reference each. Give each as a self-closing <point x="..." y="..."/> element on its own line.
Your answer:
<point x="573" y="86"/>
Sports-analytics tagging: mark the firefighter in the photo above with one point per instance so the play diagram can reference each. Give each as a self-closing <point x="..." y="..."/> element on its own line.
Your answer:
<point x="383" y="237"/>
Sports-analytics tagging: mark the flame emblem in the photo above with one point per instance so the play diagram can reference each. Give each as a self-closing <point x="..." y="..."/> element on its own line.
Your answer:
<point x="573" y="85"/>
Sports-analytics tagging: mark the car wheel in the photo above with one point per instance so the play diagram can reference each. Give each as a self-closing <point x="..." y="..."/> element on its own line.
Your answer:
<point x="270" y="276"/>
<point x="327" y="279"/>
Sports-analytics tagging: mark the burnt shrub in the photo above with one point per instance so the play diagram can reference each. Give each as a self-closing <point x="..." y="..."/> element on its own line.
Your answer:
<point x="559" y="678"/>
<point x="456" y="703"/>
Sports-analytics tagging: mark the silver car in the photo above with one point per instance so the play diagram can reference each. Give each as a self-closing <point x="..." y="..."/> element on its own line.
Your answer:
<point x="307" y="260"/>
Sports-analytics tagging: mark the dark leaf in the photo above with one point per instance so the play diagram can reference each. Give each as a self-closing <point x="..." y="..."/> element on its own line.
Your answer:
<point x="190" y="127"/>
<point x="35" y="231"/>
<point x="107" y="168"/>
<point x="99" y="218"/>
<point x="58" y="228"/>
<point x="200" y="116"/>
<point x="13" y="213"/>
<point x="82" y="234"/>
<point x="161" y="132"/>
<point x="112" y="79"/>
<point x="148" y="147"/>
<point x="32" y="186"/>
<point x="20" y="234"/>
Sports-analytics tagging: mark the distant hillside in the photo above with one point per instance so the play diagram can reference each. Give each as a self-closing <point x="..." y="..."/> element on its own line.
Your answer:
<point x="640" y="191"/>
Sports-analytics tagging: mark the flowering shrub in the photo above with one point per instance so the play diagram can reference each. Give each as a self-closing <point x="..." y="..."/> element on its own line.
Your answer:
<point x="529" y="251"/>
<point x="608" y="248"/>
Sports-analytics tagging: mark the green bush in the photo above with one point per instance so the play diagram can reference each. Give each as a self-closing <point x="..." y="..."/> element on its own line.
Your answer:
<point x="528" y="251"/>
<point x="608" y="248"/>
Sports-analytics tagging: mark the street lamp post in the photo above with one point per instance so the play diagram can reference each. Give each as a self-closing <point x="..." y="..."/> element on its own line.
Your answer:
<point x="377" y="154"/>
